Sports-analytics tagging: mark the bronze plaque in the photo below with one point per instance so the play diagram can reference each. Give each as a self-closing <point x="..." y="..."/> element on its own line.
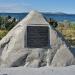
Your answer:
<point x="37" y="36"/>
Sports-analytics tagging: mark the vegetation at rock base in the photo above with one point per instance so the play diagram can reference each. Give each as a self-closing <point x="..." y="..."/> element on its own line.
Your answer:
<point x="53" y="23"/>
<point x="3" y="33"/>
<point x="67" y="28"/>
<point x="6" y="24"/>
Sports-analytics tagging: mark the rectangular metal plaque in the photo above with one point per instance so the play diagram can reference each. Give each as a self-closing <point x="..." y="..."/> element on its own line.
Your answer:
<point x="37" y="36"/>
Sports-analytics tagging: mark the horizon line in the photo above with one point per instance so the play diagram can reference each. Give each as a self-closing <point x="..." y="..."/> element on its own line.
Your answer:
<point x="42" y="12"/>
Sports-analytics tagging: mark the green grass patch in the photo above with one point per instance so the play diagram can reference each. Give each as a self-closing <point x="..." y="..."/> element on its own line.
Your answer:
<point x="3" y="33"/>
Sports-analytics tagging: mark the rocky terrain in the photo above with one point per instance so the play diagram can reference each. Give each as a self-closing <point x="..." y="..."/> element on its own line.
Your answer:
<point x="14" y="52"/>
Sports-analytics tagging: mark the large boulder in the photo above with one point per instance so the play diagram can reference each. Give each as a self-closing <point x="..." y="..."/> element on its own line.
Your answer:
<point x="14" y="52"/>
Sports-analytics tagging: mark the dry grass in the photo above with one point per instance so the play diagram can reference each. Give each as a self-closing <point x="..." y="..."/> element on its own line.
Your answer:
<point x="3" y="33"/>
<point x="68" y="33"/>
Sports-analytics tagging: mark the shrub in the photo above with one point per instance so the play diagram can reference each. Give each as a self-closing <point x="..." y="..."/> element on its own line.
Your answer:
<point x="53" y="23"/>
<point x="3" y="33"/>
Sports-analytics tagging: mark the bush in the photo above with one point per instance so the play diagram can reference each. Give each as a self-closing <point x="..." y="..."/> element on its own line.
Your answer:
<point x="53" y="23"/>
<point x="6" y="24"/>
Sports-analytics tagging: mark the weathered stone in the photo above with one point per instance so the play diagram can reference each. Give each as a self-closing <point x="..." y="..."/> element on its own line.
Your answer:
<point x="15" y="52"/>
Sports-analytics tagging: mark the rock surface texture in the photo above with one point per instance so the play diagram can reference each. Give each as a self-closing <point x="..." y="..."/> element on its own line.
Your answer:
<point x="14" y="52"/>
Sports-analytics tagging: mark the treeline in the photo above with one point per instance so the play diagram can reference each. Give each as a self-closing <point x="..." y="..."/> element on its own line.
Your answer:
<point x="7" y="23"/>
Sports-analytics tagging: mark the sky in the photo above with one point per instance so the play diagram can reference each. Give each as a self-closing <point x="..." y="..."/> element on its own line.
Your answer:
<point x="19" y="6"/>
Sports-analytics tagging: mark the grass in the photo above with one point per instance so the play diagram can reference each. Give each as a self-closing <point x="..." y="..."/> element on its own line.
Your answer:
<point x="68" y="33"/>
<point x="3" y="33"/>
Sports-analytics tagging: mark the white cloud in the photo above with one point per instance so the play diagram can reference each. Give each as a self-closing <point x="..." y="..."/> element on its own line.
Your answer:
<point x="14" y="7"/>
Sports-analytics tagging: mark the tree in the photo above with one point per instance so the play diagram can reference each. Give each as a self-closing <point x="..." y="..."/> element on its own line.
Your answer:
<point x="53" y="23"/>
<point x="8" y="17"/>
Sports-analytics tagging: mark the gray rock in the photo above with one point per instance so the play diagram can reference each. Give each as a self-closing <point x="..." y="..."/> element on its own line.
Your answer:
<point x="15" y="53"/>
<point x="63" y="57"/>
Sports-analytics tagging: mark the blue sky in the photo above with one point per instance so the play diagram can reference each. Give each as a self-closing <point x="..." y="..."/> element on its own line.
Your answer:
<point x="67" y="6"/>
